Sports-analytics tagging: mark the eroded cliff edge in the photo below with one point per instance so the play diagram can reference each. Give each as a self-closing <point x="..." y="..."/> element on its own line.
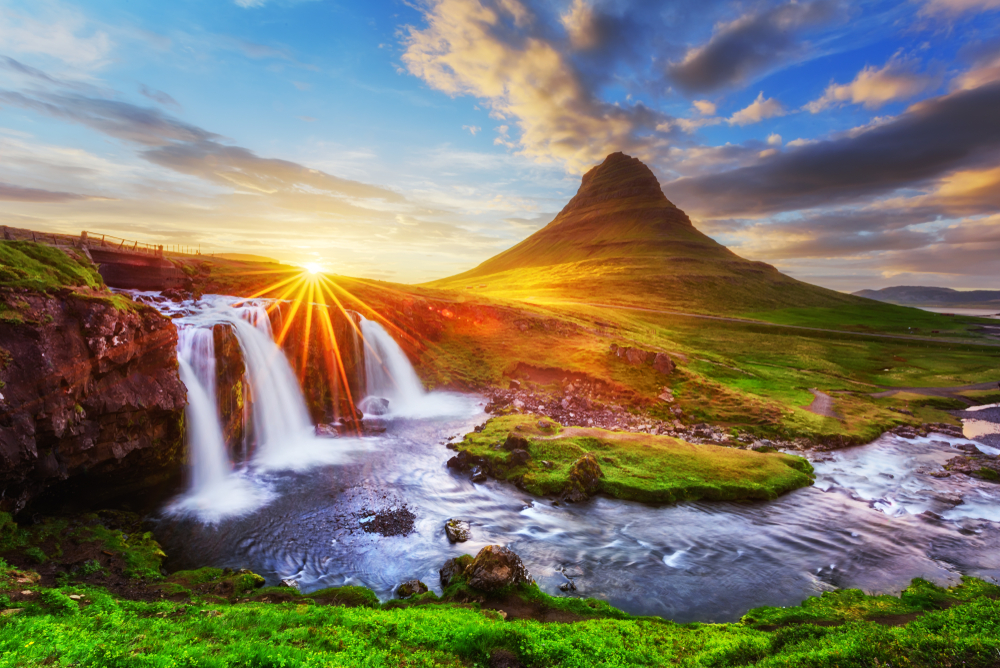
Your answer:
<point x="92" y="405"/>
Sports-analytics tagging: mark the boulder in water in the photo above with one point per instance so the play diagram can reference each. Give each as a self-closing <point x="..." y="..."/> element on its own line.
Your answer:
<point x="411" y="588"/>
<point x="458" y="531"/>
<point x="495" y="567"/>
<point x="289" y="582"/>
<point x="478" y="474"/>
<point x="454" y="568"/>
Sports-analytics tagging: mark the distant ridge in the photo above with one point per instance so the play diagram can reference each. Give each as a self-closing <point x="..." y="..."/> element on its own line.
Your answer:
<point x="915" y="295"/>
<point x="621" y="241"/>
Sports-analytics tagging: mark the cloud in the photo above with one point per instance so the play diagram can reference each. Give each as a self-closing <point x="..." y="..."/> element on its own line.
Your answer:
<point x="774" y="139"/>
<point x="581" y="25"/>
<point x="929" y="140"/>
<point x="473" y="129"/>
<point x="984" y="70"/>
<point x="495" y="50"/>
<point x="748" y="46"/>
<point x="158" y="96"/>
<point x="955" y="7"/>
<point x="12" y="193"/>
<point x="873" y="88"/>
<point x="188" y="149"/>
<point x="704" y="107"/>
<point x="757" y="111"/>
<point x="57" y="32"/>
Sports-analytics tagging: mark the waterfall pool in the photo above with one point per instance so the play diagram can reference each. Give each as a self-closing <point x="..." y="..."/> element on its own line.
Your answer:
<point x="371" y="511"/>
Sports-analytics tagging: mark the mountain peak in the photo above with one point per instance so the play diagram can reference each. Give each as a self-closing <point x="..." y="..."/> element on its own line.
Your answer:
<point x="619" y="176"/>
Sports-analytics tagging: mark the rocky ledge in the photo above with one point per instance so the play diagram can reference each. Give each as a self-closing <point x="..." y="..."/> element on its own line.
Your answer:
<point x="91" y="404"/>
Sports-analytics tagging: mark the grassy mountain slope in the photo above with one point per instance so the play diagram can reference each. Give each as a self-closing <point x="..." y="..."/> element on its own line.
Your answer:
<point x="621" y="241"/>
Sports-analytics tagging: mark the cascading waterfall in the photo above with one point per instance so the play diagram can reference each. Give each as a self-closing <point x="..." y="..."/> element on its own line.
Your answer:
<point x="388" y="373"/>
<point x="393" y="388"/>
<point x="206" y="445"/>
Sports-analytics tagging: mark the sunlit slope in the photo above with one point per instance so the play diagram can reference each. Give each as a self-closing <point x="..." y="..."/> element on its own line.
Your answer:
<point x="621" y="241"/>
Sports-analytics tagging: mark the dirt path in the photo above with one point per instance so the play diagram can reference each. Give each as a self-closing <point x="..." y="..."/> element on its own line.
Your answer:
<point x="747" y="321"/>
<point x="822" y="405"/>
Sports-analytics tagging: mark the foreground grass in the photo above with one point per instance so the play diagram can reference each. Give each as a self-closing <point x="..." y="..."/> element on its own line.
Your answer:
<point x="942" y="627"/>
<point x="640" y="467"/>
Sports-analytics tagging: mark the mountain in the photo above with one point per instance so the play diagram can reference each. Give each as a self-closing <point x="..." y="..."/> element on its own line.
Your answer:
<point x="621" y="241"/>
<point x="915" y="295"/>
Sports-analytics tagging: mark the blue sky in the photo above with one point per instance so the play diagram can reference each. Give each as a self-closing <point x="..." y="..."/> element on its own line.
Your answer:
<point x="850" y="144"/>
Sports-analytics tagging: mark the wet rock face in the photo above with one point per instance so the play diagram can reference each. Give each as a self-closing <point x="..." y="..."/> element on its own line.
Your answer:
<point x="92" y="406"/>
<point x="495" y="567"/>
<point x="454" y="568"/>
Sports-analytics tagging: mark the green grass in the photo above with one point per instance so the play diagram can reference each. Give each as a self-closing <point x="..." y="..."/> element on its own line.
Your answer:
<point x="948" y="627"/>
<point x="25" y="264"/>
<point x="639" y="467"/>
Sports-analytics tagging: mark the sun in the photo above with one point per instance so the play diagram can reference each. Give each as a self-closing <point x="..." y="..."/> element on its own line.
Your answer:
<point x="312" y="267"/>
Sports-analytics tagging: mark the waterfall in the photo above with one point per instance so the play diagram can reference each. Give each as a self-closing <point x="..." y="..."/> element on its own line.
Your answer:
<point x="389" y="373"/>
<point x="393" y="387"/>
<point x="206" y="445"/>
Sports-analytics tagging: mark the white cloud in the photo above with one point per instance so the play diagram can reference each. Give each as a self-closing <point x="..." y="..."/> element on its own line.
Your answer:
<point x="57" y="32"/>
<point x="704" y="107"/>
<point x="875" y="87"/>
<point x="580" y="26"/>
<point x="757" y="111"/>
<point x="473" y="129"/>
<point x="774" y="139"/>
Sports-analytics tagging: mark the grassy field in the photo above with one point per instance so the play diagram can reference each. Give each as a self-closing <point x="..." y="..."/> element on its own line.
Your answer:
<point x="214" y="618"/>
<point x="641" y="467"/>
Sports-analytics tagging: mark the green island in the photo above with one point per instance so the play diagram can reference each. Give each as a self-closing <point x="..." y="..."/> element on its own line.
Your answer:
<point x="545" y="458"/>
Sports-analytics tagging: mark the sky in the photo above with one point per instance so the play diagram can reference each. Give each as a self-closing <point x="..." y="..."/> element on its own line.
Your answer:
<point x="850" y="144"/>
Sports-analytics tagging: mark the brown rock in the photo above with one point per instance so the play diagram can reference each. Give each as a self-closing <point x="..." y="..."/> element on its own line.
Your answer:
<point x="454" y="568"/>
<point x="519" y="457"/>
<point x="516" y="442"/>
<point x="495" y="567"/>
<point x="663" y="364"/>
<point x="411" y="588"/>
<point x="585" y="478"/>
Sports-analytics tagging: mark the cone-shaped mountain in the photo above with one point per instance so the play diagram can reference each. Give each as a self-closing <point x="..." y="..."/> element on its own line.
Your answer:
<point x="620" y="240"/>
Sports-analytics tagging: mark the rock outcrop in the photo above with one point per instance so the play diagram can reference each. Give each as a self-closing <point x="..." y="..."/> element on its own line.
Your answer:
<point x="495" y="567"/>
<point x="92" y="405"/>
<point x="584" y="477"/>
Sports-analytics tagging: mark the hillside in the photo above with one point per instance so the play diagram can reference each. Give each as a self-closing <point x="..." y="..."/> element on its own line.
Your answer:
<point x="915" y="295"/>
<point x="621" y="241"/>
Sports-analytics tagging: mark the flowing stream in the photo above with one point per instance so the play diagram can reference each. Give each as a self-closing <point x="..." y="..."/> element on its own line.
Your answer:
<point x="310" y="508"/>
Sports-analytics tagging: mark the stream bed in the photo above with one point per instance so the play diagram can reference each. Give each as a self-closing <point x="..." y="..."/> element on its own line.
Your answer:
<point x="875" y="519"/>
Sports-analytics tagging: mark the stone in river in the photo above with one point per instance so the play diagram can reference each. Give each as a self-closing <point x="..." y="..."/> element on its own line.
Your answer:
<point x="411" y="588"/>
<point x="289" y="582"/>
<point x="478" y="474"/>
<point x="495" y="567"/>
<point x="458" y="531"/>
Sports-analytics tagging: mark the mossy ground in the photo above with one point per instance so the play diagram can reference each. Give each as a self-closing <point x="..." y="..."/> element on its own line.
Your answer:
<point x="74" y="623"/>
<point x="640" y="467"/>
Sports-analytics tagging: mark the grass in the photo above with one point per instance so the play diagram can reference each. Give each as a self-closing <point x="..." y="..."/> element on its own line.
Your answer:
<point x="639" y="467"/>
<point x="85" y="625"/>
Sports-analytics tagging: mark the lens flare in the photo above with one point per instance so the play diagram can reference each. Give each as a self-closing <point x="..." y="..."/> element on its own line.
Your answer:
<point x="312" y="267"/>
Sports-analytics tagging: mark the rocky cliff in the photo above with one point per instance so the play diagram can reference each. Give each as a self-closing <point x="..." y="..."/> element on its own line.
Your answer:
<point x="92" y="405"/>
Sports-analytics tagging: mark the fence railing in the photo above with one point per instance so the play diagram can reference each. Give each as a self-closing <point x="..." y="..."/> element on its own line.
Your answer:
<point x="90" y="240"/>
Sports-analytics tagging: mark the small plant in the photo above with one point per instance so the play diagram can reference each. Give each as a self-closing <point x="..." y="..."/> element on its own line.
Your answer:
<point x="58" y="602"/>
<point x="36" y="555"/>
<point x="89" y="568"/>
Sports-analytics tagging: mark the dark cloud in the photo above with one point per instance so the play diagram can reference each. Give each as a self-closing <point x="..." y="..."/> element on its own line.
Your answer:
<point x="748" y="46"/>
<point x="927" y="141"/>
<point x="141" y="125"/>
<point x="189" y="149"/>
<point x="158" y="96"/>
<point x="12" y="193"/>
<point x="234" y="165"/>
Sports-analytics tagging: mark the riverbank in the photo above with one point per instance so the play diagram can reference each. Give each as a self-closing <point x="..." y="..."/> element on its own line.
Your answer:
<point x="220" y="618"/>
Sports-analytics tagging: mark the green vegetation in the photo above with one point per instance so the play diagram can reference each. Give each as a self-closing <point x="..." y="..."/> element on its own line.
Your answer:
<point x="86" y="625"/>
<point x="640" y="467"/>
<point x="25" y="264"/>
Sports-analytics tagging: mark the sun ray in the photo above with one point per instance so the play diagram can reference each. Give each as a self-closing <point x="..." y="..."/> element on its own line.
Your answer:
<point x="332" y="339"/>
<point x="373" y="312"/>
<point x="310" y="306"/>
<point x="290" y="318"/>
